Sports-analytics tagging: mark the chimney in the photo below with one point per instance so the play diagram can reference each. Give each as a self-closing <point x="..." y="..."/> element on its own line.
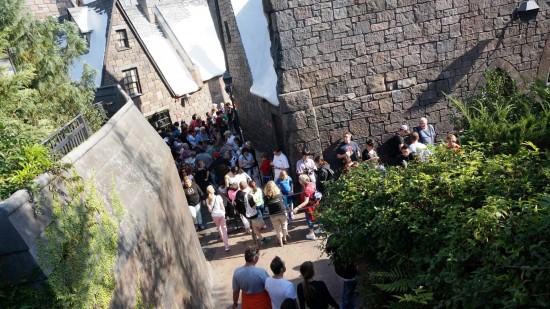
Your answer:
<point x="147" y="7"/>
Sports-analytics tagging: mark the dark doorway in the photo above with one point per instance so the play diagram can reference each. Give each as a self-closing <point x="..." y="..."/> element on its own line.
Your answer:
<point x="279" y="133"/>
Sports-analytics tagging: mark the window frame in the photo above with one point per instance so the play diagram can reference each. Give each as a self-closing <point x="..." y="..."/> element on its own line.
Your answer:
<point x="128" y="82"/>
<point x="125" y="41"/>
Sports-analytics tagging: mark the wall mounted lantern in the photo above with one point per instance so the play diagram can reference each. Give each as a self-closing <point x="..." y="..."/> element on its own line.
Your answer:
<point x="228" y="81"/>
<point x="527" y="11"/>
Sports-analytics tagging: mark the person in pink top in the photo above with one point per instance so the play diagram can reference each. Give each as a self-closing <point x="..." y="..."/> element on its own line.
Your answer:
<point x="217" y="211"/>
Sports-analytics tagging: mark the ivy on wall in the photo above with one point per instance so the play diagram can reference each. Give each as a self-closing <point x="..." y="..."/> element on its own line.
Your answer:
<point x="78" y="250"/>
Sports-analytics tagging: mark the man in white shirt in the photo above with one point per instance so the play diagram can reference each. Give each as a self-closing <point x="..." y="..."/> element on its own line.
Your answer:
<point x="280" y="163"/>
<point x="278" y="288"/>
<point x="306" y="166"/>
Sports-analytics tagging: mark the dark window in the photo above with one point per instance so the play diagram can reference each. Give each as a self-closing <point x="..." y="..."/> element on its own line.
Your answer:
<point x="227" y="33"/>
<point x="122" y="39"/>
<point x="548" y="80"/>
<point x="86" y="36"/>
<point x="131" y="82"/>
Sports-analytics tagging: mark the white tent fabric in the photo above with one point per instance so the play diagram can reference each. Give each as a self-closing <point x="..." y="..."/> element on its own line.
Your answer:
<point x="253" y="29"/>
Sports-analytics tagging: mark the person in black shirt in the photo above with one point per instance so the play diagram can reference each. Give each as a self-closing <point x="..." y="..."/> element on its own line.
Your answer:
<point x="311" y="292"/>
<point x="194" y="195"/>
<point x="392" y="147"/>
<point x="405" y="156"/>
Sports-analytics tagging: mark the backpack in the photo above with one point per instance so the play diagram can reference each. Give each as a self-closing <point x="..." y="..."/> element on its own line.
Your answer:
<point x="240" y="202"/>
<point x="317" y="196"/>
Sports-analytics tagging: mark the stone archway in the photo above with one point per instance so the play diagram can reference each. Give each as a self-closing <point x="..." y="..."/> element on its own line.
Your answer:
<point x="508" y="68"/>
<point x="544" y="67"/>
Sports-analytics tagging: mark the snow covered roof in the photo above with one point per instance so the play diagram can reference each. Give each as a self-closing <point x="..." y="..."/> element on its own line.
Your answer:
<point x="254" y="33"/>
<point x="193" y="27"/>
<point x="94" y="20"/>
<point x="163" y="52"/>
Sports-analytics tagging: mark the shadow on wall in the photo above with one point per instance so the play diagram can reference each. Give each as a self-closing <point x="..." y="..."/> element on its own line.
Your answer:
<point x="450" y="76"/>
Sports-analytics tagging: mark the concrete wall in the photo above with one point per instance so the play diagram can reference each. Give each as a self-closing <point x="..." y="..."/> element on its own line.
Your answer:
<point x="155" y="94"/>
<point x="158" y="243"/>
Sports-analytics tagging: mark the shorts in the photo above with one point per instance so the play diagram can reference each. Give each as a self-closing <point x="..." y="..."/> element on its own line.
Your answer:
<point x="257" y="222"/>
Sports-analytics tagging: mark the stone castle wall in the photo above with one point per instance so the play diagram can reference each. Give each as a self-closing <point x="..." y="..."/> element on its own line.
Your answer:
<point x="44" y="8"/>
<point x="255" y="113"/>
<point x="369" y="66"/>
<point x="155" y="94"/>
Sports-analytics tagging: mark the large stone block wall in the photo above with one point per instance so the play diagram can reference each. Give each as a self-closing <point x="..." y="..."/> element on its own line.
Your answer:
<point x="158" y="246"/>
<point x="44" y="8"/>
<point x="255" y="113"/>
<point x="155" y="94"/>
<point x="369" y="66"/>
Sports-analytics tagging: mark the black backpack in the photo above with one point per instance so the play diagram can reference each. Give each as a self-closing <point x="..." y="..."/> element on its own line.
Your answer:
<point x="242" y="200"/>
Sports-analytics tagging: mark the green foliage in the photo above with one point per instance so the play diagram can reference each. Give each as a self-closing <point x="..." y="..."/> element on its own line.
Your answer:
<point x="81" y="248"/>
<point x="20" y="161"/>
<point x="40" y="97"/>
<point x="460" y="230"/>
<point x="504" y="117"/>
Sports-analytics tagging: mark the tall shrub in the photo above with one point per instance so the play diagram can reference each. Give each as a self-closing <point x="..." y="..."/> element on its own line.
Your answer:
<point x="503" y="116"/>
<point x="462" y="230"/>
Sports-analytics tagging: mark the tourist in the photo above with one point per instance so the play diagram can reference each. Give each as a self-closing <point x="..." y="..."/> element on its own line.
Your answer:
<point x="216" y="208"/>
<point x="193" y="194"/>
<point x="306" y="166"/>
<point x="348" y="148"/>
<point x="202" y="175"/>
<point x="277" y="287"/>
<point x="251" y="281"/>
<point x="231" y="195"/>
<point x="308" y="204"/>
<point x="405" y="156"/>
<point x="289" y="303"/>
<point x="416" y="147"/>
<point x="452" y="142"/>
<point x="280" y="163"/>
<point x="369" y="154"/>
<point x="348" y="164"/>
<point x="393" y="145"/>
<point x="425" y="131"/>
<point x="312" y="292"/>
<point x="277" y="211"/>
<point x="265" y="169"/>
<point x="284" y="182"/>
<point x="232" y="117"/>
<point x="324" y="173"/>
<point x="246" y="161"/>
<point x="258" y="196"/>
<point x="245" y="205"/>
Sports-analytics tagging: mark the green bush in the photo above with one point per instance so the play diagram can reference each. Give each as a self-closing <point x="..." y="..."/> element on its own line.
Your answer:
<point x="461" y="230"/>
<point x="503" y="117"/>
<point x="21" y="161"/>
<point x="79" y="247"/>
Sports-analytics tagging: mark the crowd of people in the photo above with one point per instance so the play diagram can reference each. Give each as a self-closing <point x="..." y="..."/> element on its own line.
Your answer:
<point x="222" y="173"/>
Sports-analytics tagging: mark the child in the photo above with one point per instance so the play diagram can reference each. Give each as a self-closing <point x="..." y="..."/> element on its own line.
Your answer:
<point x="265" y="169"/>
<point x="285" y="185"/>
<point x="451" y="142"/>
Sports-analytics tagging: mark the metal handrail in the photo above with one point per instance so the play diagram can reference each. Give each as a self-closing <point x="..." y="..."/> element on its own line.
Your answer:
<point x="68" y="137"/>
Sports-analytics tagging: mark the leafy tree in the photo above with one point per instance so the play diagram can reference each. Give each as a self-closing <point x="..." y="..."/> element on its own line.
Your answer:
<point x="40" y="97"/>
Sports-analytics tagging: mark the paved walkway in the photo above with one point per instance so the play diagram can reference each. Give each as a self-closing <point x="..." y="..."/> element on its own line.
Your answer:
<point x="298" y="250"/>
